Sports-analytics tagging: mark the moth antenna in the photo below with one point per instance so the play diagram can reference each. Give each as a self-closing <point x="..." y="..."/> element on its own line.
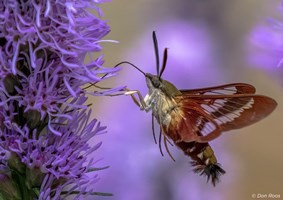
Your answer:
<point x="155" y="43"/>
<point x="165" y="55"/>
<point x="126" y="62"/>
<point x="153" y="131"/>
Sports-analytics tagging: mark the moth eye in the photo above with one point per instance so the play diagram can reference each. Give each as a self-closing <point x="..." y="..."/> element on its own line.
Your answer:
<point x="156" y="83"/>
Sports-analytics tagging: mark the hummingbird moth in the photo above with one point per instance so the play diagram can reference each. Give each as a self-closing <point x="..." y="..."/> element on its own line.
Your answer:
<point x="193" y="118"/>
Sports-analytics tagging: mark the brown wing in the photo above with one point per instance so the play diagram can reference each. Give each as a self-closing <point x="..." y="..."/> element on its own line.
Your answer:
<point x="233" y="88"/>
<point x="189" y="122"/>
<point x="202" y="114"/>
<point x="231" y="111"/>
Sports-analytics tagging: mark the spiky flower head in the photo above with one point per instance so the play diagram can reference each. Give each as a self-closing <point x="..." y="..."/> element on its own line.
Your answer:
<point x="45" y="124"/>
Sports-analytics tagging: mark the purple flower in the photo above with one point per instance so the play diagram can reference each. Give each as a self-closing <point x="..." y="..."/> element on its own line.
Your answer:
<point x="59" y="31"/>
<point x="63" y="28"/>
<point x="62" y="159"/>
<point x="45" y="124"/>
<point x="266" y="46"/>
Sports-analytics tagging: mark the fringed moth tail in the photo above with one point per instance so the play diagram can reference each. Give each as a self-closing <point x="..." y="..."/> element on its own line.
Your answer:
<point x="211" y="171"/>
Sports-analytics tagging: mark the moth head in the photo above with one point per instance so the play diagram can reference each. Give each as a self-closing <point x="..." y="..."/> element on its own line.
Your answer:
<point x="153" y="81"/>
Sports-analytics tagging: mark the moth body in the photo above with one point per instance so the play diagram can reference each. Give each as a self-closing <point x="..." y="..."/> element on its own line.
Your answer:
<point x="168" y="113"/>
<point x="193" y="117"/>
<point x="160" y="99"/>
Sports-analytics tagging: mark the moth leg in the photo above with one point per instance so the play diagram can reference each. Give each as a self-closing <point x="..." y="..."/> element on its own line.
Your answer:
<point x="159" y="143"/>
<point x="165" y="140"/>
<point x="166" y="147"/>
<point x="114" y="95"/>
<point x="134" y="98"/>
<point x="138" y="101"/>
<point x="107" y="88"/>
<point x="152" y="126"/>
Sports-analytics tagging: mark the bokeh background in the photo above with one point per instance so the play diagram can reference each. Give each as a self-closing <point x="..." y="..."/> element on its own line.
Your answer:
<point x="210" y="43"/>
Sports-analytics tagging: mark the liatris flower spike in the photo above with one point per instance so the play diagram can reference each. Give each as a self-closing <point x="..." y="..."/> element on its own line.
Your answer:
<point x="45" y="123"/>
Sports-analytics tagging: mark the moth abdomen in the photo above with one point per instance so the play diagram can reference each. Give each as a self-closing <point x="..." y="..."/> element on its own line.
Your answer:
<point x="203" y="160"/>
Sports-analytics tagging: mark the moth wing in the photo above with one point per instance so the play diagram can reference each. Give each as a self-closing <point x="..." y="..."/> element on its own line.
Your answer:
<point x="232" y="111"/>
<point x="228" y="89"/>
<point x="202" y="114"/>
<point x="188" y="122"/>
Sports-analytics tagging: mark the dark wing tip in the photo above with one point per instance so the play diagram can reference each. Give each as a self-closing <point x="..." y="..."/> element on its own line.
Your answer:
<point x="211" y="171"/>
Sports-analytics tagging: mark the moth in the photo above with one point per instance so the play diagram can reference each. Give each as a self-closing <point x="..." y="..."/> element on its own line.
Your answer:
<point x="192" y="118"/>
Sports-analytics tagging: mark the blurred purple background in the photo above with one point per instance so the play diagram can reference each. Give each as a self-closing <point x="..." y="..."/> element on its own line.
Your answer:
<point x="209" y="44"/>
